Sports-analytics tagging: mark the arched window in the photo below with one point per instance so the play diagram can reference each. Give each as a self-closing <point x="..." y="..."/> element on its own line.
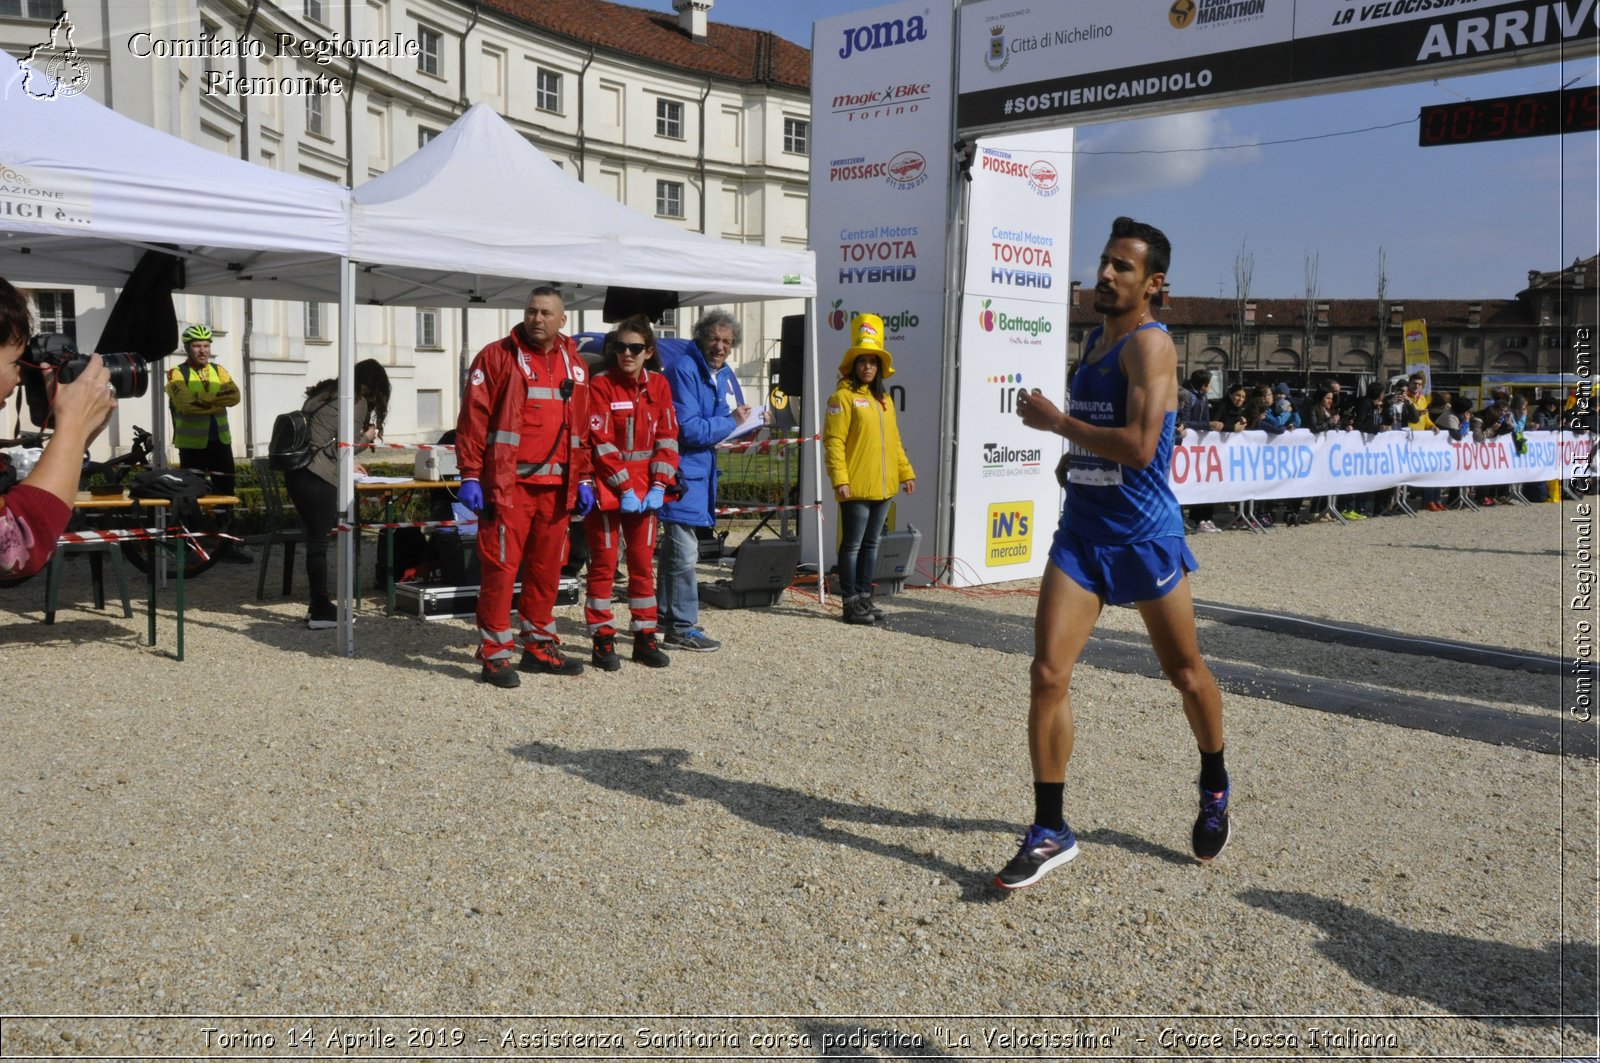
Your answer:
<point x="1357" y="361"/>
<point x="1283" y="360"/>
<point x="1510" y="362"/>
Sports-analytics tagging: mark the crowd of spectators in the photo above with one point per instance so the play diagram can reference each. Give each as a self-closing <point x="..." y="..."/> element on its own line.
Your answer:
<point x="1331" y="407"/>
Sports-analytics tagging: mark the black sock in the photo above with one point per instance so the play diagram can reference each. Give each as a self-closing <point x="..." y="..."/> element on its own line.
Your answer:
<point x="1213" y="774"/>
<point x="1047" y="804"/>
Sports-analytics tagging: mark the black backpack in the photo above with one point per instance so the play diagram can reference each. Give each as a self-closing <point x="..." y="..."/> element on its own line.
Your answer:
<point x="290" y="446"/>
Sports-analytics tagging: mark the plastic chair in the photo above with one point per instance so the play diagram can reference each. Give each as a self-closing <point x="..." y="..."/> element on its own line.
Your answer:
<point x="272" y="499"/>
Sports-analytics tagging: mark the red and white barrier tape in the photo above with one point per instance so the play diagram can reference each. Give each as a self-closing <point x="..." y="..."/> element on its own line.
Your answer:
<point x="380" y="526"/>
<point x="402" y="446"/>
<point x="764" y="445"/>
<point x="137" y="534"/>
<point x="766" y="509"/>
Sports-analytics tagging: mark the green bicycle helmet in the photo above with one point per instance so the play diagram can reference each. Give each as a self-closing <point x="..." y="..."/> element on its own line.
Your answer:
<point x="196" y="332"/>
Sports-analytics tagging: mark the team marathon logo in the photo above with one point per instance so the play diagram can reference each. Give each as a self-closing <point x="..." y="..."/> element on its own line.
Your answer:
<point x="1041" y="175"/>
<point x="904" y="171"/>
<point x="1001" y="460"/>
<point x="887" y="34"/>
<point x="887" y="254"/>
<point x="56" y="58"/>
<point x="1010" y="539"/>
<point x="887" y="102"/>
<point x="1203" y="13"/>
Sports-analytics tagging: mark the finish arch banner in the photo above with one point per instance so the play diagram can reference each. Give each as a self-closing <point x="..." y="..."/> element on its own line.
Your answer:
<point x="1013" y="335"/>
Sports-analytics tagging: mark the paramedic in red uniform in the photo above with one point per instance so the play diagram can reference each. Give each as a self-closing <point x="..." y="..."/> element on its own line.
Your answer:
<point x="635" y="439"/>
<point x="522" y="448"/>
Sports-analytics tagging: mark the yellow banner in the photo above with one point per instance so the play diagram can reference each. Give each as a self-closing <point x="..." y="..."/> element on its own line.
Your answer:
<point x="1415" y="332"/>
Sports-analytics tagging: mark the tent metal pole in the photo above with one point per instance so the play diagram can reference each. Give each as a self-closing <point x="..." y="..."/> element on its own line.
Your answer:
<point x="345" y="571"/>
<point x="813" y="403"/>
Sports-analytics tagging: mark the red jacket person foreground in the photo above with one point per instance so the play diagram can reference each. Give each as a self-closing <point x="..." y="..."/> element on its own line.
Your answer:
<point x="522" y="445"/>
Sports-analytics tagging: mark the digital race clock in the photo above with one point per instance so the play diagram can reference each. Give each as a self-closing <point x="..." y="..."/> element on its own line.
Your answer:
<point x="1534" y="114"/>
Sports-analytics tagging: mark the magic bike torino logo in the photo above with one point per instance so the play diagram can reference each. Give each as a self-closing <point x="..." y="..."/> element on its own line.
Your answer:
<point x="56" y="58"/>
<point x="1002" y="460"/>
<point x="886" y="102"/>
<point x="1010" y="534"/>
<point x="1210" y="13"/>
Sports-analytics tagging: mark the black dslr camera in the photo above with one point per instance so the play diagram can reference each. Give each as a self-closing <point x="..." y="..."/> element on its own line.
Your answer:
<point x="130" y="377"/>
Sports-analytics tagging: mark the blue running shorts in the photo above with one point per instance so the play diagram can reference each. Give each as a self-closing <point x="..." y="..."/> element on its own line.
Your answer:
<point x="1124" y="572"/>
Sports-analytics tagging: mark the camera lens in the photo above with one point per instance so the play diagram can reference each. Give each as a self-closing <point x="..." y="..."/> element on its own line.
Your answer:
<point x="130" y="378"/>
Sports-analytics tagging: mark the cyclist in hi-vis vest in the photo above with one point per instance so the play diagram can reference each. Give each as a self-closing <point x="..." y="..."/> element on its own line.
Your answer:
<point x="201" y="392"/>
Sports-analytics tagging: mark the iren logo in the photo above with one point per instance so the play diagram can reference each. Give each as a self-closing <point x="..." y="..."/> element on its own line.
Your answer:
<point x="883" y="35"/>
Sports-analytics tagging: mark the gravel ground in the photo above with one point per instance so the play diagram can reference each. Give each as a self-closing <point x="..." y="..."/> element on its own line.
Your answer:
<point x="796" y="834"/>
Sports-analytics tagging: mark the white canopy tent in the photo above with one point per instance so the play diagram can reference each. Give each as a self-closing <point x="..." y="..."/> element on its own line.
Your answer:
<point x="471" y="219"/>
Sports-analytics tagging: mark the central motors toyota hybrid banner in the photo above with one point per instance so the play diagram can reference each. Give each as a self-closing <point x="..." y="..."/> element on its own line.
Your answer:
<point x="880" y="200"/>
<point x="1041" y="60"/>
<point x="1013" y="329"/>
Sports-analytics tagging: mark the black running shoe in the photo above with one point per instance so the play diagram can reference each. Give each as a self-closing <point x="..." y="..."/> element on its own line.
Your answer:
<point x="1211" y="826"/>
<point x="1042" y="850"/>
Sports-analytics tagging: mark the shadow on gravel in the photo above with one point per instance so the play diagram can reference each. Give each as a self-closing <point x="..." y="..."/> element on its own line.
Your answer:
<point x="1475" y="550"/>
<point x="660" y="775"/>
<point x="1137" y="845"/>
<point x="1464" y="976"/>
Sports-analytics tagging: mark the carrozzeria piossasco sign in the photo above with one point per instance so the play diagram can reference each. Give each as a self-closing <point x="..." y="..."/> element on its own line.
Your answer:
<point x="1124" y="55"/>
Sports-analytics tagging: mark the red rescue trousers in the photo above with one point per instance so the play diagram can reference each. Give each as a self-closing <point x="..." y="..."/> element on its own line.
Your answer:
<point x="528" y="535"/>
<point x="603" y="529"/>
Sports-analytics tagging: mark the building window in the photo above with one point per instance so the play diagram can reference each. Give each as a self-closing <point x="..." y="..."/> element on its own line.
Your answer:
<point x="669" y="199"/>
<point x="316" y="321"/>
<point x="1552" y="341"/>
<point x="1515" y="343"/>
<point x="427" y="328"/>
<point x="1178" y="336"/>
<point x="40" y="9"/>
<point x="424" y="134"/>
<point x="1469" y="342"/>
<point x="1285" y="339"/>
<point x="547" y="91"/>
<point x="314" y="10"/>
<point x="669" y="119"/>
<point x="57" y="312"/>
<point x="428" y="49"/>
<point x="314" y="113"/>
<point x="1213" y="339"/>
<point x="430" y="408"/>
<point x="797" y="136"/>
<point x="669" y="323"/>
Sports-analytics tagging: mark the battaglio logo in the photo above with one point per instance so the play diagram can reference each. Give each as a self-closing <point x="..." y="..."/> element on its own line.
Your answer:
<point x="886" y="34"/>
<point x="1010" y="539"/>
<point x="990" y="321"/>
<point x="894" y="324"/>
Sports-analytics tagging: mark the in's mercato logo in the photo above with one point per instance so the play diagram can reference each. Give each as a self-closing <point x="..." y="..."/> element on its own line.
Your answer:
<point x="56" y="57"/>
<point x="887" y="34"/>
<point x="1010" y="534"/>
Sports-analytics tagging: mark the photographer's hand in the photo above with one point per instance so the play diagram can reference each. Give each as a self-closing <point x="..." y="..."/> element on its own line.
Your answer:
<point x="79" y="411"/>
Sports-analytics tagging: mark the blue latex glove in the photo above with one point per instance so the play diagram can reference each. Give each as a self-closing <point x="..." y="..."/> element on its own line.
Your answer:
<point x="585" y="500"/>
<point x="630" y="502"/>
<point x="471" y="495"/>
<point x="655" y="498"/>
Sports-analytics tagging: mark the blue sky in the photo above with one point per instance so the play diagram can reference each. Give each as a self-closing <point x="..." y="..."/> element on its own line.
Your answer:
<point x="1454" y="222"/>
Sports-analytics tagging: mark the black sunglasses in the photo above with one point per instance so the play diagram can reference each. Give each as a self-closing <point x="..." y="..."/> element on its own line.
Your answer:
<point x="632" y="348"/>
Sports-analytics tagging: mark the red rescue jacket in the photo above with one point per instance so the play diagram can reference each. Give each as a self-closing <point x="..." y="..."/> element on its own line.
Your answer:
<point x="634" y="432"/>
<point x="489" y="429"/>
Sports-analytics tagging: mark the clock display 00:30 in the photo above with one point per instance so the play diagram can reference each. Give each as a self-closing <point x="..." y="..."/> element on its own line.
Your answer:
<point x="1535" y="114"/>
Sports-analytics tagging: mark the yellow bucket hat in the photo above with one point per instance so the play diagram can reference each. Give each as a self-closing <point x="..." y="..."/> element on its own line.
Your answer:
<point x="866" y="337"/>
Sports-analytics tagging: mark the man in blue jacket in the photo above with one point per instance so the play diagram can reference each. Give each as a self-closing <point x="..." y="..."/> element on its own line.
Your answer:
<point x="709" y="403"/>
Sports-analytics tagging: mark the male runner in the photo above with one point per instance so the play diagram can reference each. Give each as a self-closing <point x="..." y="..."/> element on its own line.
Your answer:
<point x="1120" y="540"/>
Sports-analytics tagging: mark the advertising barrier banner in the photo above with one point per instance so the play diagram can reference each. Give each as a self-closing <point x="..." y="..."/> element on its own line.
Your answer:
<point x="879" y="208"/>
<point x="1232" y="467"/>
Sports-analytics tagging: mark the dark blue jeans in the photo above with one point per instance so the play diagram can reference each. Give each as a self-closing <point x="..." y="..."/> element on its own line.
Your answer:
<point x="861" y="525"/>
